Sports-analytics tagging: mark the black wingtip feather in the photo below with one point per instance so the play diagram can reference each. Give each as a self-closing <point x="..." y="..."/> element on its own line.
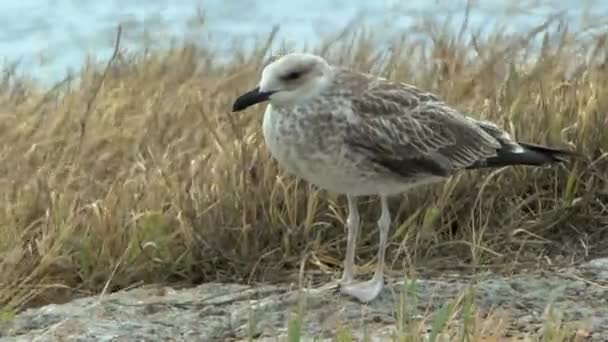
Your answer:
<point x="533" y="155"/>
<point x="553" y="154"/>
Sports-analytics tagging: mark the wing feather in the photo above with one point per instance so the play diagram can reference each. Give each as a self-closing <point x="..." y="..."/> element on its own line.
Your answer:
<point x="413" y="133"/>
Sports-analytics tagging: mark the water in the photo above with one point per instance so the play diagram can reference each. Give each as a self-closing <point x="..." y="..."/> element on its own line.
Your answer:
<point x="50" y="37"/>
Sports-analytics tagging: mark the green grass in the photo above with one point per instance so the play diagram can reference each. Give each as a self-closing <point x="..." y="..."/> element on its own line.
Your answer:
<point x="139" y="172"/>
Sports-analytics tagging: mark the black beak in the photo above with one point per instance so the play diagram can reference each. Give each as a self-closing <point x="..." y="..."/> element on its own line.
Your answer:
<point x="250" y="98"/>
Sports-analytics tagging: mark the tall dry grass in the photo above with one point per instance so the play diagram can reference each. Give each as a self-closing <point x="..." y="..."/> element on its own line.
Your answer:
<point x="138" y="172"/>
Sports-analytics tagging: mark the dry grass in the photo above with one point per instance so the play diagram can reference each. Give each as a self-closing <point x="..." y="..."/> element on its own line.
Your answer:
<point x="139" y="173"/>
<point x="457" y="320"/>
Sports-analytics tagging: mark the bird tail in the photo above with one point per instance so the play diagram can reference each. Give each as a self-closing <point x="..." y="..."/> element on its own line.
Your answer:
<point x="532" y="155"/>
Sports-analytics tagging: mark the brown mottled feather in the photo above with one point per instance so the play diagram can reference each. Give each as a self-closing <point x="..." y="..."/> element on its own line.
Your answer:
<point x="414" y="134"/>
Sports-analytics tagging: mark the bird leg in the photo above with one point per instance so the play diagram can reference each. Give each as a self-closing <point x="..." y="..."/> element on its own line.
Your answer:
<point x="369" y="290"/>
<point x="352" y="226"/>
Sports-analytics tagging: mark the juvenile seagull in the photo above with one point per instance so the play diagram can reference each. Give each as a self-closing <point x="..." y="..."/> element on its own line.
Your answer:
<point x="357" y="134"/>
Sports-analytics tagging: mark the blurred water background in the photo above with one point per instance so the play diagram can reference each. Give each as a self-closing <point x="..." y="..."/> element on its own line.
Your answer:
<point x="46" y="38"/>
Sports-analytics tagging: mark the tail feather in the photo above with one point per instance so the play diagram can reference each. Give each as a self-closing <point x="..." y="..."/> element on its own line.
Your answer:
<point x="528" y="154"/>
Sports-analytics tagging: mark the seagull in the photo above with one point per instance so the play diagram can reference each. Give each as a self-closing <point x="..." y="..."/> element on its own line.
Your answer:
<point x="358" y="134"/>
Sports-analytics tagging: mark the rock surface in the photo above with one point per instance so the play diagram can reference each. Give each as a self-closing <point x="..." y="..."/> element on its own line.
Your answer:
<point x="224" y="312"/>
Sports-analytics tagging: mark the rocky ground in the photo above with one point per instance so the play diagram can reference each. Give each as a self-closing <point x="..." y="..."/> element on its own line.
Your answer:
<point x="224" y="312"/>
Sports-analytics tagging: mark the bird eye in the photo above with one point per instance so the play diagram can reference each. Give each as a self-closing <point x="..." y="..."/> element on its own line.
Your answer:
<point x="292" y="76"/>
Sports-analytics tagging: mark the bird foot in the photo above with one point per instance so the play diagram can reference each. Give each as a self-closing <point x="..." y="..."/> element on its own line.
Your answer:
<point x="345" y="280"/>
<point x="364" y="291"/>
<point x="333" y="285"/>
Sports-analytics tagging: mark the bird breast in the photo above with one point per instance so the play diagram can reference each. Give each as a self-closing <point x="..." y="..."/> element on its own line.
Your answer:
<point x="307" y="144"/>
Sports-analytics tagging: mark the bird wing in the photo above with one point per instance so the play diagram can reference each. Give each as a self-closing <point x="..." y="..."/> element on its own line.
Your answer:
<point x="413" y="133"/>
